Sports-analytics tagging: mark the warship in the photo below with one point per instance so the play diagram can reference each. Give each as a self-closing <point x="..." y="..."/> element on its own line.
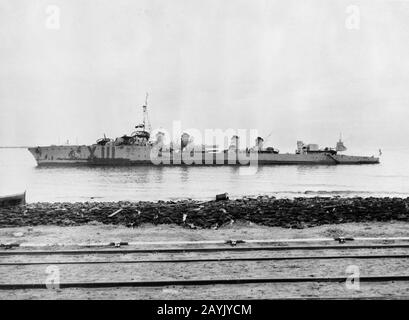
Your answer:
<point x="139" y="148"/>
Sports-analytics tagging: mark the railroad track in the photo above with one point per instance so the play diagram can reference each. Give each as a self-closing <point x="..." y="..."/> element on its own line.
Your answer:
<point x="202" y="249"/>
<point x="338" y="257"/>
<point x="224" y="281"/>
<point x="198" y="282"/>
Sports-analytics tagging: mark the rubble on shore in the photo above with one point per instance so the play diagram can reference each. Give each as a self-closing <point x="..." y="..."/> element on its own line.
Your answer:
<point x="269" y="211"/>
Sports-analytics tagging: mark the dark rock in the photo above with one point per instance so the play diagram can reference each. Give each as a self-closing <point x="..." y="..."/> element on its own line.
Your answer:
<point x="295" y="213"/>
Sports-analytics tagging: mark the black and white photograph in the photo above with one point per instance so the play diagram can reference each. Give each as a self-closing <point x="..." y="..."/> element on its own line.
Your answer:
<point x="214" y="150"/>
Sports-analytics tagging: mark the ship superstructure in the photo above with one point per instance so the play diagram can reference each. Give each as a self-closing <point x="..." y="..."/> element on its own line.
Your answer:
<point x="139" y="149"/>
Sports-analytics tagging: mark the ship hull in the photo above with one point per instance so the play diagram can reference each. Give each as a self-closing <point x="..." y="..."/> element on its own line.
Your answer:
<point x="131" y="155"/>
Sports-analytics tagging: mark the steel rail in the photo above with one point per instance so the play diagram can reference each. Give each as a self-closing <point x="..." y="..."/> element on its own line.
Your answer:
<point x="209" y="249"/>
<point x="229" y="241"/>
<point x="197" y="282"/>
<point x="338" y="257"/>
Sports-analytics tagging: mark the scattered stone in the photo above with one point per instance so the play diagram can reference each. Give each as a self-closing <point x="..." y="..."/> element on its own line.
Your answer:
<point x="268" y="211"/>
<point x="18" y="234"/>
<point x="171" y="291"/>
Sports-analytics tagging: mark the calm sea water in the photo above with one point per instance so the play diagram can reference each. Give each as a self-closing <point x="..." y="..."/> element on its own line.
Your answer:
<point x="18" y="172"/>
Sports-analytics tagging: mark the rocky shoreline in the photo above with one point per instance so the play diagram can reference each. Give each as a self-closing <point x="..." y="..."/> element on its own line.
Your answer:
<point x="268" y="211"/>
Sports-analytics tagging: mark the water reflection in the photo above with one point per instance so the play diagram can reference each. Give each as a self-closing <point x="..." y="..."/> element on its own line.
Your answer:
<point x="310" y="168"/>
<point x="162" y="183"/>
<point x="184" y="173"/>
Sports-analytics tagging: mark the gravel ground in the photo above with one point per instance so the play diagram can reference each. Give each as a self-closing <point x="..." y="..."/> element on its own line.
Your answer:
<point x="99" y="232"/>
<point x="213" y="270"/>
<point x="385" y="290"/>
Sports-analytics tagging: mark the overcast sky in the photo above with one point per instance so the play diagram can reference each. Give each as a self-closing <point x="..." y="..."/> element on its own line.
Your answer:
<point x="289" y="68"/>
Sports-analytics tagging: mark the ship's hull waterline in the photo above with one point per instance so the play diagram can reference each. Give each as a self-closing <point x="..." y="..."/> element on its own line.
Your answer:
<point x="126" y="155"/>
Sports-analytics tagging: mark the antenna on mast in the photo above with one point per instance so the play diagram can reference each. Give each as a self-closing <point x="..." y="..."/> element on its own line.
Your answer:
<point x="146" y="122"/>
<point x="269" y="135"/>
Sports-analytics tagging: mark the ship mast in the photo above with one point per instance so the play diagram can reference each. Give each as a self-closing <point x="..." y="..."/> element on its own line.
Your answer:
<point x="146" y="122"/>
<point x="340" y="145"/>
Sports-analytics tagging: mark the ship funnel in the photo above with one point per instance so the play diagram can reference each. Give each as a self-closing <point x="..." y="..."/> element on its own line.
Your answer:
<point x="300" y="145"/>
<point x="234" y="143"/>
<point x="184" y="140"/>
<point x="259" y="143"/>
<point x="159" y="137"/>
